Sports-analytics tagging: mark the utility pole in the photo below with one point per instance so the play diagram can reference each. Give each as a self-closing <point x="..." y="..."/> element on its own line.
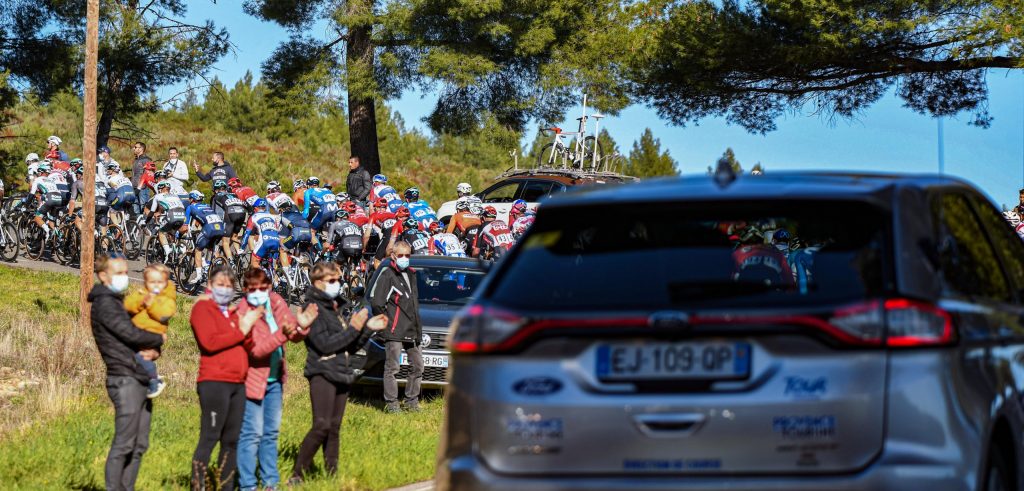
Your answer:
<point x="92" y="41"/>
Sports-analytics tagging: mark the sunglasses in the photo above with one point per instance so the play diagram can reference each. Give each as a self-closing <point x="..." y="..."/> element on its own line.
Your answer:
<point x="403" y="255"/>
<point x="254" y="289"/>
<point x="332" y="280"/>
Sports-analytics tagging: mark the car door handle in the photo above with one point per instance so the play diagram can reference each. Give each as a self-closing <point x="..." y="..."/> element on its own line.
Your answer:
<point x="669" y="425"/>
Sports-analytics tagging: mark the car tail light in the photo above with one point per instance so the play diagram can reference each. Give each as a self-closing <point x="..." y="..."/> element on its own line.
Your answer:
<point x="482" y="329"/>
<point x="912" y="324"/>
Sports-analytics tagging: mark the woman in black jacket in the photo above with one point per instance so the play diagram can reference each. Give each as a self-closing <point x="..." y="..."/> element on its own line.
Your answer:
<point x="328" y="346"/>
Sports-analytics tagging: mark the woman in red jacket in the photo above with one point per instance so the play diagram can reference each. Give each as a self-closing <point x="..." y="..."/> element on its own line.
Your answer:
<point x="264" y="384"/>
<point x="224" y="345"/>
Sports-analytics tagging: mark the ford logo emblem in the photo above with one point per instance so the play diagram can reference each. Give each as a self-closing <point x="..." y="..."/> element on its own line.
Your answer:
<point x="537" y="386"/>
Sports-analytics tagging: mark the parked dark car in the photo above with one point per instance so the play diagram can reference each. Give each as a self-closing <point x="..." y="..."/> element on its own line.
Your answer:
<point x="445" y="286"/>
<point x="790" y="331"/>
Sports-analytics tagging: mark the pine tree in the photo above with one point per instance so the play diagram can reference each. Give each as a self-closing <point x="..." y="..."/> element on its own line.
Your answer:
<point x="647" y="159"/>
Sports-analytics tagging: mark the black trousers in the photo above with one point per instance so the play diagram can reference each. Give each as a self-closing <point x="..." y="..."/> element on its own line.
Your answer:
<point x="222" y="406"/>
<point x="328" y="400"/>
<point x="132" y="415"/>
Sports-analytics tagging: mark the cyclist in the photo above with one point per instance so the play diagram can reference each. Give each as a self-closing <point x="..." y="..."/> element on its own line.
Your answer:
<point x="120" y="192"/>
<point x="53" y="151"/>
<point x="761" y="263"/>
<point x="244" y="193"/>
<point x="232" y="212"/>
<point x="356" y="214"/>
<point x="443" y="243"/>
<point x="47" y="195"/>
<point x="268" y="229"/>
<point x="372" y="230"/>
<point x="60" y="179"/>
<point x="419" y="208"/>
<point x="299" y="192"/>
<point x="464" y="219"/>
<point x="463" y="189"/>
<point x="169" y="211"/>
<point x="348" y="237"/>
<point x="103" y="158"/>
<point x="418" y="239"/>
<point x="520" y="218"/>
<point x="494" y="238"/>
<point x="295" y="229"/>
<point x="275" y="196"/>
<point x="211" y="230"/>
<point x="176" y="188"/>
<point x="102" y="203"/>
<point x="320" y="205"/>
<point x="382" y="190"/>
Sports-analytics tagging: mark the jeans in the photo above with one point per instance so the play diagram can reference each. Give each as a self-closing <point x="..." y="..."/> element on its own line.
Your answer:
<point x="148" y="365"/>
<point x="328" y="400"/>
<point x="393" y="353"/>
<point x="144" y="195"/>
<point x="258" y="442"/>
<point x="132" y="415"/>
<point x="221" y="405"/>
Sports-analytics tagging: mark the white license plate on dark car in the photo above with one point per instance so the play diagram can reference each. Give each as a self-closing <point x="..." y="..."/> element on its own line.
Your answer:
<point x="673" y="361"/>
<point x="437" y="361"/>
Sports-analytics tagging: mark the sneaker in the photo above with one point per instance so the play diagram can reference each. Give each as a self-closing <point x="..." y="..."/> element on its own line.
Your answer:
<point x="294" y="481"/>
<point x="194" y="278"/>
<point x="392" y="408"/>
<point x="413" y="406"/>
<point x="156" y="387"/>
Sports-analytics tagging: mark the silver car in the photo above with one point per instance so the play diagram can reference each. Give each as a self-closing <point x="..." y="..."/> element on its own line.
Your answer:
<point x="788" y="332"/>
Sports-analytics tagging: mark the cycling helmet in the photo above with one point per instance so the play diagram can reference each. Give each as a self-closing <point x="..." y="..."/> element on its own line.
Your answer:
<point x="462" y="204"/>
<point x="381" y="178"/>
<point x="163" y="184"/>
<point x="113" y="166"/>
<point x="76" y="163"/>
<point x="285" y="206"/>
<point x="195" y="195"/>
<point x="341" y="214"/>
<point x="412" y="194"/>
<point x="161" y="174"/>
<point x="149" y="166"/>
<point x="781" y="235"/>
<point x="464" y="189"/>
<point x="79" y="170"/>
<point x="343" y="196"/>
<point x="234" y="182"/>
<point x="299" y="183"/>
<point x="273" y="186"/>
<point x="381" y="203"/>
<point x="313" y="181"/>
<point x="44" y="167"/>
<point x="434" y="227"/>
<point x="474" y="200"/>
<point x="410" y="223"/>
<point x="220" y="184"/>
<point x="490" y="212"/>
<point x="32" y="157"/>
<point x="54" y="139"/>
<point x="349" y="206"/>
<point x="402" y="213"/>
<point x="328" y="186"/>
<point x="476" y="208"/>
<point x="259" y="203"/>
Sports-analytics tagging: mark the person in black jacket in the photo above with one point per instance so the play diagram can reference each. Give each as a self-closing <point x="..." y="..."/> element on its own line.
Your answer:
<point x="359" y="181"/>
<point x="396" y="295"/>
<point x="328" y="346"/>
<point x="222" y="170"/>
<point x="118" y="340"/>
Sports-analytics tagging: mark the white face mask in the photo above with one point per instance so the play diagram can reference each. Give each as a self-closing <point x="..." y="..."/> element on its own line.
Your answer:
<point x="257" y="298"/>
<point x="332" y="290"/>
<point x="118" y="283"/>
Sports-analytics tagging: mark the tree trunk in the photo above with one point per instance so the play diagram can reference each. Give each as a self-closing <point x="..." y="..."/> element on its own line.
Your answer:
<point x="362" y="115"/>
<point x="105" y="125"/>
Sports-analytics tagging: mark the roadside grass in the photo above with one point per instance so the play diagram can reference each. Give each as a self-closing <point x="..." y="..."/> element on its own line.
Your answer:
<point x="55" y="433"/>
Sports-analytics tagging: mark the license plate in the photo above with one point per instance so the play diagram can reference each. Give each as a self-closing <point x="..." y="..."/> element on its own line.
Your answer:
<point x="439" y="361"/>
<point x="673" y="361"/>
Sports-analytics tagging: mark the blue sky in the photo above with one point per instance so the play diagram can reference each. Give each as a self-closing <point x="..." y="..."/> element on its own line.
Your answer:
<point x="886" y="137"/>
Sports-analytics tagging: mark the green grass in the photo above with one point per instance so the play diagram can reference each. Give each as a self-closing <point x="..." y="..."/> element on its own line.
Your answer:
<point x="56" y="436"/>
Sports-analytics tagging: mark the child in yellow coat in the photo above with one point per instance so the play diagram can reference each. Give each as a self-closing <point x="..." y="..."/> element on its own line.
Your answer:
<point x="151" y="308"/>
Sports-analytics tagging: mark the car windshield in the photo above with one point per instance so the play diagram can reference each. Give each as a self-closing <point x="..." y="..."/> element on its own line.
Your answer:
<point x="711" y="256"/>
<point x="445" y="285"/>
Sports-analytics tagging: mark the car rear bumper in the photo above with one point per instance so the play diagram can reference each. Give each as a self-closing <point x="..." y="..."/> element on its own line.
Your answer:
<point x="468" y="473"/>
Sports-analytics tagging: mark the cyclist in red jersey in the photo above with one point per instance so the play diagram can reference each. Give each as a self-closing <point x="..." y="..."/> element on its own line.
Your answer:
<point x="495" y="238"/>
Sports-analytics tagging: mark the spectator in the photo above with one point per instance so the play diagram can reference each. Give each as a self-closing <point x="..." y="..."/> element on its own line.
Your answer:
<point x="359" y="180"/>
<point x="328" y="346"/>
<point x="138" y="171"/>
<point x="395" y="294"/>
<point x="176" y="170"/>
<point x="53" y="151"/>
<point x="117" y="340"/>
<point x="264" y="383"/>
<point x="221" y="170"/>
<point x="222" y="336"/>
<point x="101" y="164"/>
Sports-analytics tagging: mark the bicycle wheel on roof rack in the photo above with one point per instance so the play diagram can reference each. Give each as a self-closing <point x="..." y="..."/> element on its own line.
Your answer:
<point x="589" y="162"/>
<point x="550" y="155"/>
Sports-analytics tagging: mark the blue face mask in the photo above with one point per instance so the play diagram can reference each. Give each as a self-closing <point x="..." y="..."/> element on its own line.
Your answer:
<point x="222" y="295"/>
<point x="402" y="262"/>
<point x="257" y="298"/>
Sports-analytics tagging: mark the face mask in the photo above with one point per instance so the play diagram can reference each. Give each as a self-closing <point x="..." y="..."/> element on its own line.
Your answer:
<point x="119" y="283"/>
<point x="222" y="294"/>
<point x="257" y="298"/>
<point x="782" y="247"/>
<point x="333" y="289"/>
<point x="402" y="262"/>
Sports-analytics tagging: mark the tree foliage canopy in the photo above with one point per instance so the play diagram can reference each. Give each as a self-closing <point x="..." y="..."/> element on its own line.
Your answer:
<point x="751" y="61"/>
<point x="647" y="159"/>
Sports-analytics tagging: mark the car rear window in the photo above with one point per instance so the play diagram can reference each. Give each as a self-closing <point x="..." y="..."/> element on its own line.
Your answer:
<point x="444" y="285"/>
<point x="709" y="255"/>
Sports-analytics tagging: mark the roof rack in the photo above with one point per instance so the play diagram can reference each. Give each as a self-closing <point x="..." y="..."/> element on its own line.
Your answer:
<point x="572" y="173"/>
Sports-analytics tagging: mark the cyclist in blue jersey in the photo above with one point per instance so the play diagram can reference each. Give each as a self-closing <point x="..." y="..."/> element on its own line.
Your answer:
<point x="320" y="204"/>
<point x="419" y="209"/>
<point x="211" y="229"/>
<point x="295" y="229"/>
<point x="265" y="229"/>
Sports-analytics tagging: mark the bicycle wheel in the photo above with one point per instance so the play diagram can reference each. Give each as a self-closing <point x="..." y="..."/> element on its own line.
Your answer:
<point x="154" y="251"/>
<point x="183" y="272"/>
<point x="132" y="238"/>
<point x="549" y="155"/>
<point x="37" y="243"/>
<point x="66" y="249"/>
<point x="590" y="144"/>
<point x="11" y="242"/>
